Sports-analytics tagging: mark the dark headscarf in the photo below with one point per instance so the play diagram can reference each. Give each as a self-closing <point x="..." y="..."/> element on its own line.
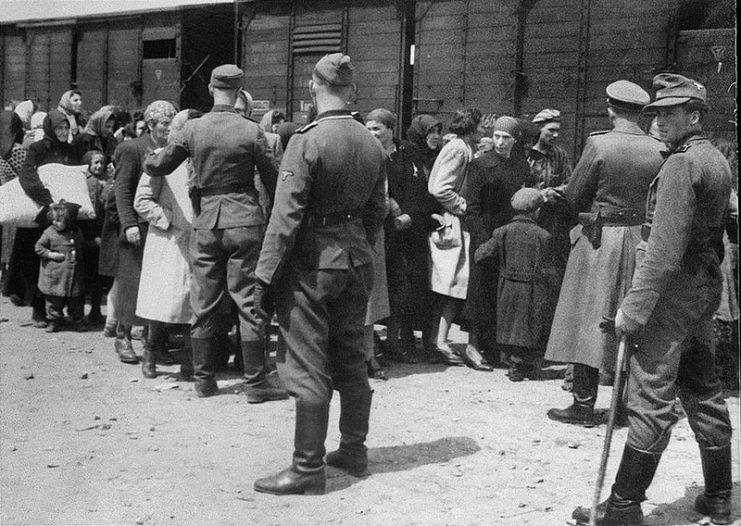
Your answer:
<point x="53" y="119"/>
<point x="420" y="127"/>
<point x="11" y="131"/>
<point x="96" y="124"/>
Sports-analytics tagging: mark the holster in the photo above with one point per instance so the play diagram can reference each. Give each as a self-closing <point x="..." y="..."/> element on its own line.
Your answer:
<point x="194" y="193"/>
<point x="592" y="227"/>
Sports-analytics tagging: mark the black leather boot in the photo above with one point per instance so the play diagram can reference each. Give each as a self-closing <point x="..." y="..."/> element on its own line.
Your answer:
<point x="585" y="386"/>
<point x="623" y="507"/>
<point x="716" y="470"/>
<point x="203" y="367"/>
<point x="352" y="455"/>
<point x="258" y="387"/>
<point x="306" y="475"/>
<point x="156" y="342"/>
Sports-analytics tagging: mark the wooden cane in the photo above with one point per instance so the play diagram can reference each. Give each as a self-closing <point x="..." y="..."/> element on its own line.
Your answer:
<point x="616" y="395"/>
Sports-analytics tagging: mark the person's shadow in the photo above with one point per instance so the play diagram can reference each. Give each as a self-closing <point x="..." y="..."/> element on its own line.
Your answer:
<point x="682" y="511"/>
<point x="401" y="458"/>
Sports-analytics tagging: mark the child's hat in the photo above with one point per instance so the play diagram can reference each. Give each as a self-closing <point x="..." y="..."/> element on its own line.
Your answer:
<point x="72" y="208"/>
<point x="527" y="200"/>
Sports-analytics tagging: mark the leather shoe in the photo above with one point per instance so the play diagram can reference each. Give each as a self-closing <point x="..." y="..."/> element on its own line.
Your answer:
<point x="125" y="350"/>
<point x="289" y="482"/>
<point x="268" y="393"/>
<point x="574" y="414"/>
<point x="717" y="508"/>
<point x="474" y="360"/>
<point x="449" y="357"/>
<point x="206" y="388"/>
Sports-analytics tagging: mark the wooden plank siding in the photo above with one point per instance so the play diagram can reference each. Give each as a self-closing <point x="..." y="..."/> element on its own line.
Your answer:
<point x="92" y="72"/>
<point x="48" y="64"/>
<point x="13" y="68"/>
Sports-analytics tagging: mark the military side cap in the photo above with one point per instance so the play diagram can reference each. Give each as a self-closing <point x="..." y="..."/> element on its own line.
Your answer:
<point x="527" y="200"/>
<point x="335" y="69"/>
<point x="625" y="95"/>
<point x="672" y="90"/>
<point x="547" y="115"/>
<point x="227" y="76"/>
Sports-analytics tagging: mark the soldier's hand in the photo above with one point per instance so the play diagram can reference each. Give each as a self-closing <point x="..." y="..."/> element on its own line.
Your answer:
<point x="264" y="302"/>
<point x="133" y="235"/>
<point x="440" y="220"/>
<point x="625" y="324"/>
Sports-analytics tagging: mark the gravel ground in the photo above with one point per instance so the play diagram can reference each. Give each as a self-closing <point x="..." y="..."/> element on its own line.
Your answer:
<point x="84" y="439"/>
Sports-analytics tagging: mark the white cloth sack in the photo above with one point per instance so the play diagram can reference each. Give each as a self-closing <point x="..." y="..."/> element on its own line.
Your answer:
<point x="64" y="182"/>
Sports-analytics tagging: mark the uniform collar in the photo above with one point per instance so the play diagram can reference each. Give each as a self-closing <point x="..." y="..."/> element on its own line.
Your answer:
<point x="334" y="113"/>
<point x="523" y="218"/>
<point x="223" y="107"/>
<point x="683" y="143"/>
<point x="628" y="127"/>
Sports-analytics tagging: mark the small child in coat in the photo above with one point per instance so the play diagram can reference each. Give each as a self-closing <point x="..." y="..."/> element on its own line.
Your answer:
<point x="60" y="276"/>
<point x="525" y="288"/>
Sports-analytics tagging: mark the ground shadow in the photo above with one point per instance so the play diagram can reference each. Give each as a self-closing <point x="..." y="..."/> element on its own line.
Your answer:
<point x="409" y="456"/>
<point x="682" y="510"/>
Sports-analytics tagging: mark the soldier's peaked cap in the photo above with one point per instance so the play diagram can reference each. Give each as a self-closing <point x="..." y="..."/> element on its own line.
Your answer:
<point x="335" y="69"/>
<point x="672" y="90"/>
<point x="227" y="76"/>
<point x="626" y="95"/>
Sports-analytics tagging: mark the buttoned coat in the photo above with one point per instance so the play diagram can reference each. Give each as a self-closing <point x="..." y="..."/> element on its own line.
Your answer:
<point x="60" y="278"/>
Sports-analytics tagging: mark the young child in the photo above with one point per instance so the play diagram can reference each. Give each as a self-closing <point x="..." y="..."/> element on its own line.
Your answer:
<point x="60" y="277"/>
<point x="93" y="283"/>
<point x="525" y="286"/>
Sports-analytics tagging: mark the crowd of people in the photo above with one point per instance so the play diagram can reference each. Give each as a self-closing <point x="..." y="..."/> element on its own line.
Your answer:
<point x="492" y="229"/>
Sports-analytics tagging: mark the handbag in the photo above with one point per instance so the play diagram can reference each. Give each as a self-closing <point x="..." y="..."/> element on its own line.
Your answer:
<point x="449" y="235"/>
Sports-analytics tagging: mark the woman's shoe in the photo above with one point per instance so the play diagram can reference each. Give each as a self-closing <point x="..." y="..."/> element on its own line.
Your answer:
<point x="375" y="370"/>
<point x="474" y="360"/>
<point x="109" y="331"/>
<point x="449" y="357"/>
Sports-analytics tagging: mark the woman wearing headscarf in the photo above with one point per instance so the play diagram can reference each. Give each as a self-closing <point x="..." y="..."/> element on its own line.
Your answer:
<point x="124" y="232"/>
<point x="36" y="133"/>
<point x="25" y="110"/>
<point x="493" y="180"/>
<point x="98" y="134"/>
<point x="12" y="155"/>
<point x="70" y="105"/>
<point x="23" y="268"/>
<point x="165" y="203"/>
<point x="449" y="244"/>
<point x="423" y="142"/>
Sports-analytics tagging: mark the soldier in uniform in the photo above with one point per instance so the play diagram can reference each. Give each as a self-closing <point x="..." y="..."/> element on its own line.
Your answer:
<point x="316" y="264"/>
<point x="608" y="188"/>
<point x="228" y="229"/>
<point x="668" y="313"/>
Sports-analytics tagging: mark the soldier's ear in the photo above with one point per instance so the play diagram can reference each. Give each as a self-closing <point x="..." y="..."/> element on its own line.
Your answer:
<point x="210" y="89"/>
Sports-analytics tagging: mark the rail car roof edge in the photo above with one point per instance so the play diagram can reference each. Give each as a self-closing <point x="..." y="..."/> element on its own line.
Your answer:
<point x="26" y="13"/>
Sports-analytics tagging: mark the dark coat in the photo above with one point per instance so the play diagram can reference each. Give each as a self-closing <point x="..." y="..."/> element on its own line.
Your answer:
<point x="526" y="281"/>
<point x="493" y="180"/>
<point x="60" y="278"/>
<point x="407" y="252"/>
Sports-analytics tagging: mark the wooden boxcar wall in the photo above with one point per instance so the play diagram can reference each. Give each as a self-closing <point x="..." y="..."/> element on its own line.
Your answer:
<point x="278" y="57"/>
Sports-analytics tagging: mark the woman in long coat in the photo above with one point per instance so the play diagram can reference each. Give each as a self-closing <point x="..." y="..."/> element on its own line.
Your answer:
<point x="451" y="261"/>
<point x="494" y="179"/>
<point x="23" y="267"/>
<point x="165" y="204"/>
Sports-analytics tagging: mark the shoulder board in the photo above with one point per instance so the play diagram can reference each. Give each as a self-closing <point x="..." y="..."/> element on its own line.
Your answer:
<point x="600" y="132"/>
<point x="306" y="128"/>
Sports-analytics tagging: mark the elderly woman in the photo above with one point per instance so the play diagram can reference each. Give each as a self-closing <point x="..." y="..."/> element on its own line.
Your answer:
<point x="450" y="244"/>
<point x="165" y="204"/>
<point x="423" y="142"/>
<point x="269" y="124"/>
<point x="124" y="232"/>
<point x="98" y="134"/>
<point x="70" y="104"/>
<point x="493" y="180"/>
<point x="23" y="267"/>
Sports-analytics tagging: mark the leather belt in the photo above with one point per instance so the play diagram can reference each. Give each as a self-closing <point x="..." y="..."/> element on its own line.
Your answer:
<point x="336" y="218"/>
<point x="236" y="188"/>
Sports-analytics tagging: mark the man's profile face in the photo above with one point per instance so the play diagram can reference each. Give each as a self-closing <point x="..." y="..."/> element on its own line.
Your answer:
<point x="673" y="123"/>
<point x="160" y="131"/>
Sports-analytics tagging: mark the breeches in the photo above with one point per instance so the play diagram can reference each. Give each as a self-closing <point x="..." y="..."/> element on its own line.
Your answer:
<point x="223" y="262"/>
<point x="674" y="356"/>
<point x="321" y="314"/>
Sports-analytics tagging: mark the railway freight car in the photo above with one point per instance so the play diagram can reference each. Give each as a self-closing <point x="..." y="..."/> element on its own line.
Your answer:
<point x="413" y="56"/>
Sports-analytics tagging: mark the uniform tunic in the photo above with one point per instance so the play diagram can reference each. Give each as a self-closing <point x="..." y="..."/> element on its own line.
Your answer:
<point x="612" y="178"/>
<point x="224" y="148"/>
<point x="317" y="254"/>
<point x="674" y="294"/>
